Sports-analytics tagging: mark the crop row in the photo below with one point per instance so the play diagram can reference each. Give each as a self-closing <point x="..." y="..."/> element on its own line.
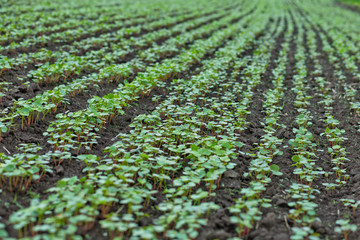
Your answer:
<point x="111" y="170"/>
<point x="80" y="127"/>
<point x="131" y="27"/>
<point x="50" y="100"/>
<point x="110" y="21"/>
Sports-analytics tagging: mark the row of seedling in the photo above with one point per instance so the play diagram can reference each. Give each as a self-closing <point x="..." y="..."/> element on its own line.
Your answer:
<point x="247" y="209"/>
<point x="334" y="135"/>
<point x="303" y="209"/>
<point x="120" y="188"/>
<point x="79" y="125"/>
<point x="35" y="109"/>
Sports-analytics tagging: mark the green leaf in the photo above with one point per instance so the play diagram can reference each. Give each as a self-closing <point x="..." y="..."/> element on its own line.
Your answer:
<point x="263" y="151"/>
<point x="10" y="168"/>
<point x="327" y="130"/>
<point x="194" y="147"/>
<point x="274" y="168"/>
<point x="3" y="128"/>
<point x="24" y="111"/>
<point x="296" y="158"/>
<point x="205" y="151"/>
<point x="239" y="144"/>
<point x="226" y="145"/>
<point x="220" y="152"/>
<point x="34" y="169"/>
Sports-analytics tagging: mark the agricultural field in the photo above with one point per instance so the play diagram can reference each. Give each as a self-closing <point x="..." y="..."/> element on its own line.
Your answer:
<point x="179" y="119"/>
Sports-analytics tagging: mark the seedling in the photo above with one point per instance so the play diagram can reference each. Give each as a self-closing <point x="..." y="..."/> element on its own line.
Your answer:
<point x="344" y="227"/>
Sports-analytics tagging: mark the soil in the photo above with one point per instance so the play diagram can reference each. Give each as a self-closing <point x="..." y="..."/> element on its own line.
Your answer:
<point x="274" y="225"/>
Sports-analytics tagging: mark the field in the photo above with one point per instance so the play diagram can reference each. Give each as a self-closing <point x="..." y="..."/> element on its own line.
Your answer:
<point x="179" y="119"/>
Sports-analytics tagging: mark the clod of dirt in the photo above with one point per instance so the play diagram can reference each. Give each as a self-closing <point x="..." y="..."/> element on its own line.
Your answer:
<point x="356" y="178"/>
<point x="221" y="234"/>
<point x="282" y="203"/>
<point x="23" y="89"/>
<point x="259" y="234"/>
<point x="318" y="227"/>
<point x="357" y="185"/>
<point x="231" y="174"/>
<point x="280" y="133"/>
<point x="279" y="200"/>
<point x="355" y="189"/>
<point x="223" y="222"/>
<point x="236" y="161"/>
<point x="271" y="191"/>
<point x="230" y="183"/>
<point x="354" y="171"/>
<point x="281" y="236"/>
<point x="3" y="212"/>
<point x="30" y="140"/>
<point x="318" y="131"/>
<point x="269" y="220"/>
<point x="59" y="170"/>
<point x="224" y="200"/>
